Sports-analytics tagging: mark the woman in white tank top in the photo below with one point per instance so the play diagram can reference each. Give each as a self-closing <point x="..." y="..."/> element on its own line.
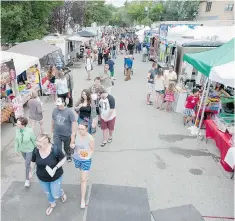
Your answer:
<point x="160" y="89"/>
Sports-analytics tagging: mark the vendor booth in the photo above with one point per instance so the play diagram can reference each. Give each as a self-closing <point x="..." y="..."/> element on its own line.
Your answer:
<point x="46" y="53"/>
<point x="26" y="78"/>
<point x="8" y="90"/>
<point x="217" y="65"/>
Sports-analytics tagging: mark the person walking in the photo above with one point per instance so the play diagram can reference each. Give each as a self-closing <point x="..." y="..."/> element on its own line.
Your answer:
<point x="62" y="86"/>
<point x="63" y="127"/>
<point x="88" y="66"/>
<point x="150" y="85"/>
<point x="108" y="116"/>
<point x="86" y="110"/>
<point x="106" y="80"/>
<point x="128" y="62"/>
<point x="144" y="53"/>
<point x="159" y="89"/>
<point x="35" y="112"/>
<point x="106" y="54"/>
<point x="69" y="78"/>
<point x="25" y="142"/>
<point x="51" y="74"/>
<point x="83" y="149"/>
<point x="111" y="64"/>
<point x="100" y="56"/>
<point x="49" y="161"/>
<point x="95" y="95"/>
<point x="114" y="50"/>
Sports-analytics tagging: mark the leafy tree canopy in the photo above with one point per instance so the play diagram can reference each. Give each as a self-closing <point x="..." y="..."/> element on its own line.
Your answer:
<point x="25" y="20"/>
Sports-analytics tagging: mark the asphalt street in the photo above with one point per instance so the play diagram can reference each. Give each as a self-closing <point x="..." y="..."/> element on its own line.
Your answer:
<point x="150" y="149"/>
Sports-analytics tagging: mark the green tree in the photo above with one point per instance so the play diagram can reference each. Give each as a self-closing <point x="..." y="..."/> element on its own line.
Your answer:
<point x="97" y="11"/>
<point x="156" y="12"/>
<point x="180" y="10"/>
<point x="25" y="20"/>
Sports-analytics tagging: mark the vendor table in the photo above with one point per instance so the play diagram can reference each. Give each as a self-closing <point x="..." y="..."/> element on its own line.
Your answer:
<point x="221" y="139"/>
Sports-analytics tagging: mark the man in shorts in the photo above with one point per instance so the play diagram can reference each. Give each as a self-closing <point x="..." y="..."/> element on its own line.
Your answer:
<point x="191" y="102"/>
<point x="108" y="116"/>
<point x="95" y="95"/>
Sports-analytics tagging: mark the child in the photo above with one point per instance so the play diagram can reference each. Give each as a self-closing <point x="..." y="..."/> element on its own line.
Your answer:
<point x="191" y="102"/>
<point x="169" y="97"/>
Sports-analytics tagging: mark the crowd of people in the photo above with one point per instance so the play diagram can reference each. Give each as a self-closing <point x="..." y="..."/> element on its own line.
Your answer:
<point x="73" y="126"/>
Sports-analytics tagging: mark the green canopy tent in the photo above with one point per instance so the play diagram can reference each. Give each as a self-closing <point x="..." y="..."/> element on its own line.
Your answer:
<point x="206" y="62"/>
<point x="217" y="64"/>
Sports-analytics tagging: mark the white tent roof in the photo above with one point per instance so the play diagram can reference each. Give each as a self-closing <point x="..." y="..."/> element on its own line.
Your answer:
<point x="224" y="74"/>
<point x="78" y="38"/>
<point x="21" y="62"/>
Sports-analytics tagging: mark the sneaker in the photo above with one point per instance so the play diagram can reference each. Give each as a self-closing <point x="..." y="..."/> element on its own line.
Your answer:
<point x="27" y="183"/>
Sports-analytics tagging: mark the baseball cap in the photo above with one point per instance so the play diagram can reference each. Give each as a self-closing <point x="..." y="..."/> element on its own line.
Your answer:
<point x="59" y="102"/>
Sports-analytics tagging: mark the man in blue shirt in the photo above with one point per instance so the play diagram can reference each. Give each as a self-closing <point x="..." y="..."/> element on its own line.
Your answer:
<point x="128" y="62"/>
<point x="111" y="64"/>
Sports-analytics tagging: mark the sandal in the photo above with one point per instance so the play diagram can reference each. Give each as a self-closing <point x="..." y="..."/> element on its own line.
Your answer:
<point x="50" y="210"/>
<point x="110" y="140"/>
<point x="103" y="144"/>
<point x="63" y="197"/>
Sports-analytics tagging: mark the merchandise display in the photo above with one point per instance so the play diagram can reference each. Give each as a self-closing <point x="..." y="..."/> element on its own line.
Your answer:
<point x="27" y="82"/>
<point x="8" y="91"/>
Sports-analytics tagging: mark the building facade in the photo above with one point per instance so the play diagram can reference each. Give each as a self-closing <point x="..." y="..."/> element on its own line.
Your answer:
<point x="216" y="10"/>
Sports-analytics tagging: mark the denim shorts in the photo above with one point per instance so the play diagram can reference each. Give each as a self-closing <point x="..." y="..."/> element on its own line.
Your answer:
<point x="189" y="112"/>
<point x="82" y="164"/>
<point x="161" y="92"/>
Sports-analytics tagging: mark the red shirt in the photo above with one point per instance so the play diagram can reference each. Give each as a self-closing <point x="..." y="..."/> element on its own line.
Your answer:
<point x="191" y="102"/>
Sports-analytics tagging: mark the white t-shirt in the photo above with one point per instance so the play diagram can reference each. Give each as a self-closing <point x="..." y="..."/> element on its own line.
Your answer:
<point x="61" y="86"/>
<point x="169" y="76"/>
<point x="105" y="106"/>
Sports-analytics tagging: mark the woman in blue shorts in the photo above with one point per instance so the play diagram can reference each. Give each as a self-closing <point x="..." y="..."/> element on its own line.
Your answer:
<point x="83" y="150"/>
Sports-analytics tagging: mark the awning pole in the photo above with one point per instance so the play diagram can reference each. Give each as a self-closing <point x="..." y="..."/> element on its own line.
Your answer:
<point x="200" y="106"/>
<point x="204" y="107"/>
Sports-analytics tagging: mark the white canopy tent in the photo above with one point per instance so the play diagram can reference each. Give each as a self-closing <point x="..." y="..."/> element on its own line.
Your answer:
<point x="21" y="62"/>
<point x="78" y="38"/>
<point x="224" y="73"/>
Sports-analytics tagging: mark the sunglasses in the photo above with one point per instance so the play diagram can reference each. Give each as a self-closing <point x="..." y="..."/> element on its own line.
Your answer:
<point x="38" y="142"/>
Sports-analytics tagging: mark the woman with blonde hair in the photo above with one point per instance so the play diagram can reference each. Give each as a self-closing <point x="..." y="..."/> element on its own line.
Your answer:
<point x="49" y="160"/>
<point x="35" y="112"/>
<point x="62" y="86"/>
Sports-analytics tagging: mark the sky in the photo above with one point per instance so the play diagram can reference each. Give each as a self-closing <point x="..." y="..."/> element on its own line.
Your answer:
<point x="117" y="3"/>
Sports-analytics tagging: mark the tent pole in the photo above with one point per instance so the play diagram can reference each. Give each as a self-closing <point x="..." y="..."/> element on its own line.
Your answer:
<point x="200" y="106"/>
<point x="204" y="107"/>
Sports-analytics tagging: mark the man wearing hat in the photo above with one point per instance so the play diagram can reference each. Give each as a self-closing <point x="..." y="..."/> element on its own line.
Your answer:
<point x="63" y="127"/>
